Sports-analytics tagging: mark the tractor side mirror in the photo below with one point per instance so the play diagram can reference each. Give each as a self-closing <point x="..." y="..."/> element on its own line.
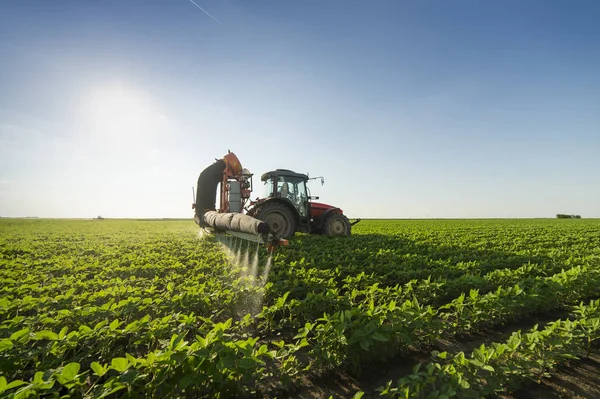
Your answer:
<point x="319" y="177"/>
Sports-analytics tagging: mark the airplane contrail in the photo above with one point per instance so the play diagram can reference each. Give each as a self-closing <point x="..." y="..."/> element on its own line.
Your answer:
<point x="206" y="12"/>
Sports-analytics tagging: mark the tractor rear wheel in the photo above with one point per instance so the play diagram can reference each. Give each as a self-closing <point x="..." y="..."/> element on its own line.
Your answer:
<point x="336" y="224"/>
<point x="279" y="217"/>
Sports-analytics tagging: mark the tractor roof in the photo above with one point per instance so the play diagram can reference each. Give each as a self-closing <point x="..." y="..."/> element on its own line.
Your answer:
<point x="282" y="172"/>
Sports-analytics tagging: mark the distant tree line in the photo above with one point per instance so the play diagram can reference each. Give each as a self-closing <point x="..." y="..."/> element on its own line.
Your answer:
<point x="563" y="216"/>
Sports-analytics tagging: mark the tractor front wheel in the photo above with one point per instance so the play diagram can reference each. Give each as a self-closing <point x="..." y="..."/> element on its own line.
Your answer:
<point x="336" y="224"/>
<point x="279" y="217"/>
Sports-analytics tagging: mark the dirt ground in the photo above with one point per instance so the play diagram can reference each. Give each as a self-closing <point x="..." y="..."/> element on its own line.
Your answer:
<point x="575" y="380"/>
<point x="580" y="379"/>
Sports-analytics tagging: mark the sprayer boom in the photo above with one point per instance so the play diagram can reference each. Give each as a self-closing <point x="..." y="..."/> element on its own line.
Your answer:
<point x="236" y="186"/>
<point x="271" y="242"/>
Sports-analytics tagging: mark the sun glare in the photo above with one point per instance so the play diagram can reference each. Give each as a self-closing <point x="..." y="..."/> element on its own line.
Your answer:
<point x="119" y="113"/>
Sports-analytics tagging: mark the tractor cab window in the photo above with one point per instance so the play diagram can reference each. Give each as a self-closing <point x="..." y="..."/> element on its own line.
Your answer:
<point x="294" y="189"/>
<point x="283" y="187"/>
<point x="268" y="188"/>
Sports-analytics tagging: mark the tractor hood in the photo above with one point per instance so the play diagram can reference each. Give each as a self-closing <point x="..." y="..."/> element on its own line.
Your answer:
<point x="319" y="209"/>
<point x="321" y="206"/>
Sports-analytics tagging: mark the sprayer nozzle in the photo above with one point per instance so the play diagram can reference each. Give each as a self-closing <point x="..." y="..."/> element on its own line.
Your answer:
<point x="263" y="228"/>
<point x="275" y="243"/>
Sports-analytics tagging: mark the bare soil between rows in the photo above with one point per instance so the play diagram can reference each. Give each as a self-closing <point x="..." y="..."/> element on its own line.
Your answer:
<point x="579" y="379"/>
<point x="576" y="379"/>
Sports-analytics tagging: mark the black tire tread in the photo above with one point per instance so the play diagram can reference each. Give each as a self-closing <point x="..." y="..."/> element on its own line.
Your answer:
<point x="272" y="206"/>
<point x="330" y="217"/>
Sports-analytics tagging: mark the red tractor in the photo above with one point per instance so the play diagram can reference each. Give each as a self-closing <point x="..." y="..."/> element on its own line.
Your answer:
<point x="287" y="207"/>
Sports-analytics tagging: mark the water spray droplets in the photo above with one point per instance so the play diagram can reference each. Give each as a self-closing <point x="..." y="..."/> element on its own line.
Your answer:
<point x="267" y="269"/>
<point x="254" y="269"/>
<point x="241" y="255"/>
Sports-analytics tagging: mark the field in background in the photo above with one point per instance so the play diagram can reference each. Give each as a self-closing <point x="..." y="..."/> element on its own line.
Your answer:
<point x="121" y="308"/>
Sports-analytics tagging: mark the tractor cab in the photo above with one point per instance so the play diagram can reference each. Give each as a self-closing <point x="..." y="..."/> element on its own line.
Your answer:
<point x="290" y="186"/>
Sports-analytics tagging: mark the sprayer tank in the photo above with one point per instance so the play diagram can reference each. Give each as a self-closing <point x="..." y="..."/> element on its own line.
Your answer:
<point x="235" y="196"/>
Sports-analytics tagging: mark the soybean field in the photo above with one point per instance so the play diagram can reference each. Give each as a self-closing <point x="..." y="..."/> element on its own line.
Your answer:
<point x="400" y="309"/>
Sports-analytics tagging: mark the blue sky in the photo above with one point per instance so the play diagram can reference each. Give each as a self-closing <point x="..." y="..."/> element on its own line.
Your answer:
<point x="408" y="108"/>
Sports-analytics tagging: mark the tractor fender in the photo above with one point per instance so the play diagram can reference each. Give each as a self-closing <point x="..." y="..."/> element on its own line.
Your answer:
<point x="318" y="222"/>
<point x="254" y="210"/>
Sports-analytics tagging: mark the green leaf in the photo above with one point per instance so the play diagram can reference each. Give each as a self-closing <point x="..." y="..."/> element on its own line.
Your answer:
<point x="129" y="376"/>
<point x="488" y="368"/>
<point x="364" y="345"/>
<point x="416" y="368"/>
<point x="98" y="369"/>
<point x="114" y="325"/>
<point x="63" y="332"/>
<point x="83" y="329"/>
<point x="38" y="378"/>
<point x="228" y="362"/>
<point x="380" y="337"/>
<point x="185" y="381"/>
<point x="392" y="306"/>
<point x="119" y="364"/>
<point x="46" y="334"/>
<point x="19" y="334"/>
<point x="70" y="371"/>
<point x="14" y="384"/>
<point x="131" y="359"/>
<point x="178" y="357"/>
<point x="100" y="324"/>
<point x="5" y="345"/>
<point x="116" y="387"/>
<point x="262" y="350"/>
<point x="247" y="363"/>
<point x="151" y="357"/>
<point x="3" y="384"/>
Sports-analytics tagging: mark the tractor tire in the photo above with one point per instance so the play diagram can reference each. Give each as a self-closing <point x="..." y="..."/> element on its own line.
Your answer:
<point x="337" y="225"/>
<point x="280" y="218"/>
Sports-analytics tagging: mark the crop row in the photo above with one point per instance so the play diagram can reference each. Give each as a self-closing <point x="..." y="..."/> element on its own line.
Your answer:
<point x="351" y="337"/>
<point x="395" y="252"/>
<point x="213" y="363"/>
<point x="493" y="368"/>
<point x="536" y="294"/>
<point x="90" y="308"/>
